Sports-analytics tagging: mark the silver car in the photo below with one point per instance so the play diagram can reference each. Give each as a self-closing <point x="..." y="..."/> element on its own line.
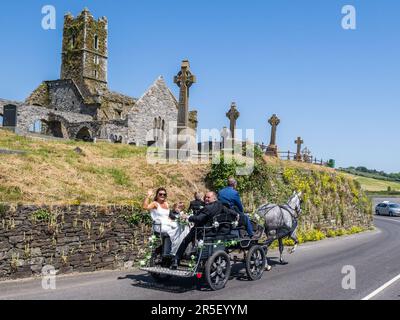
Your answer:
<point x="388" y="209"/>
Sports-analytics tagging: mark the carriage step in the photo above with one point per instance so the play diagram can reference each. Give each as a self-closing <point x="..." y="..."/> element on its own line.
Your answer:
<point x="185" y="273"/>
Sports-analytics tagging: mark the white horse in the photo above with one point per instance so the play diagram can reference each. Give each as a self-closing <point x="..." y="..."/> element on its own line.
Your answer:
<point x="281" y="220"/>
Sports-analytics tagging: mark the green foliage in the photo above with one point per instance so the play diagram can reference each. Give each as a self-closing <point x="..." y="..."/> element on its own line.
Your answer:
<point x="42" y="215"/>
<point x="262" y="185"/>
<point x="3" y="210"/>
<point x="138" y="217"/>
<point x="326" y="194"/>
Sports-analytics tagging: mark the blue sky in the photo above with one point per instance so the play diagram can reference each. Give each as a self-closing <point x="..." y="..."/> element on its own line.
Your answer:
<point x="338" y="89"/>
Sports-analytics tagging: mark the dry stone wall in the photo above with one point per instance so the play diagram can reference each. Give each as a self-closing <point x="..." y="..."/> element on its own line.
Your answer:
<point x="70" y="238"/>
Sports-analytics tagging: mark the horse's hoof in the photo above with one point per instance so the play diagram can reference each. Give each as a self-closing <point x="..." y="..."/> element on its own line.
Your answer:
<point x="268" y="268"/>
<point x="283" y="262"/>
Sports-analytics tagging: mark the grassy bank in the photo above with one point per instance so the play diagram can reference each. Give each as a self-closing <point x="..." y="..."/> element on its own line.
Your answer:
<point x="52" y="172"/>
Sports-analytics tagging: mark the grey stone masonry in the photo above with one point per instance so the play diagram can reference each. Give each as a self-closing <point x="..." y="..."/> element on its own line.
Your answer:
<point x="70" y="238"/>
<point x="155" y="110"/>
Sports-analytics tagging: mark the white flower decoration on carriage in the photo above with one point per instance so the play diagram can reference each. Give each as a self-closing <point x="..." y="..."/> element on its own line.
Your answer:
<point x="200" y="244"/>
<point x="142" y="263"/>
<point x="216" y="224"/>
<point x="235" y="224"/>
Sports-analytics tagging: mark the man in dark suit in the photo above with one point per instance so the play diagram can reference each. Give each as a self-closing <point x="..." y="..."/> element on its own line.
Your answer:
<point x="205" y="217"/>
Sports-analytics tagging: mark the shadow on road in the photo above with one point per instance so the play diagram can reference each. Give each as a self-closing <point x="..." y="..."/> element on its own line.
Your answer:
<point x="174" y="285"/>
<point x="183" y="285"/>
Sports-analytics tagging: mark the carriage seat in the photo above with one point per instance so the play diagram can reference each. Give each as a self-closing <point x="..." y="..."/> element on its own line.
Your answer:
<point x="224" y="231"/>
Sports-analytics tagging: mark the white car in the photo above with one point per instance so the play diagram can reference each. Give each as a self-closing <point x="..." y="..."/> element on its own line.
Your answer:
<point x="388" y="209"/>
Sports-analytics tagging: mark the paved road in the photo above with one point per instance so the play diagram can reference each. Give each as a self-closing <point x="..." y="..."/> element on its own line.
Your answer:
<point x="313" y="272"/>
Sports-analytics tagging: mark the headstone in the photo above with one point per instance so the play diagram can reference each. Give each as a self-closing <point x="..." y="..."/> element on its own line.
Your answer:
<point x="233" y="114"/>
<point x="184" y="81"/>
<point x="307" y="155"/>
<point x="299" y="142"/>
<point x="272" y="149"/>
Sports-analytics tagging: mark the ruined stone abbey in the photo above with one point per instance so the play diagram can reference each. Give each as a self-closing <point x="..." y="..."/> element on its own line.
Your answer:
<point x="80" y="104"/>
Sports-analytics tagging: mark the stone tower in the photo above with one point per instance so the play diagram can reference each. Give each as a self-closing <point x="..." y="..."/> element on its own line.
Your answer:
<point x="85" y="52"/>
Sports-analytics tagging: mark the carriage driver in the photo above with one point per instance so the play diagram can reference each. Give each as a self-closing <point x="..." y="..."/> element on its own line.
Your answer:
<point x="230" y="197"/>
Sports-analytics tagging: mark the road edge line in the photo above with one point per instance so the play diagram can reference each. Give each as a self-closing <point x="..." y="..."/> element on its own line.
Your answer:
<point x="381" y="288"/>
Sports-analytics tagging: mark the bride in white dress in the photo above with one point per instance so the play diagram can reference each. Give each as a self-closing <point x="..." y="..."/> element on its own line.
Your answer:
<point x="159" y="210"/>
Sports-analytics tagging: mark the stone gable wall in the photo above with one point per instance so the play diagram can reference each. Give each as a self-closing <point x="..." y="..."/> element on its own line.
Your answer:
<point x="156" y="102"/>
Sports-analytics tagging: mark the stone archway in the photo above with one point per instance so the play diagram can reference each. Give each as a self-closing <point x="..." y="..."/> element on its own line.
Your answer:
<point x="84" y="135"/>
<point x="52" y="128"/>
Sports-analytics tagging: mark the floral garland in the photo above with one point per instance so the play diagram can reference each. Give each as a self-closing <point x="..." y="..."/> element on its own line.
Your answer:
<point x="153" y="242"/>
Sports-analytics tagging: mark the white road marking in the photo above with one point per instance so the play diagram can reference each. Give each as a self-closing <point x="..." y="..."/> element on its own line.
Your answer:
<point x="380" y="289"/>
<point x="387" y="219"/>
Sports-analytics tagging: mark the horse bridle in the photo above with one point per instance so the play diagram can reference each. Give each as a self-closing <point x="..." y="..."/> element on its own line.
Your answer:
<point x="296" y="209"/>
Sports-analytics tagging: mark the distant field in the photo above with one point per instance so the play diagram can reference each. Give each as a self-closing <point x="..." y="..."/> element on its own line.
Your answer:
<point x="370" y="184"/>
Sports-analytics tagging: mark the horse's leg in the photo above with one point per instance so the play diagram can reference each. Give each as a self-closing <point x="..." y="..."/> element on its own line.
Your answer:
<point x="281" y="260"/>
<point x="293" y="236"/>
<point x="266" y="246"/>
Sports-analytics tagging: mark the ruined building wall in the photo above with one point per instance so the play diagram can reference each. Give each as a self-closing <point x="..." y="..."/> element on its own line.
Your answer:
<point x="158" y="104"/>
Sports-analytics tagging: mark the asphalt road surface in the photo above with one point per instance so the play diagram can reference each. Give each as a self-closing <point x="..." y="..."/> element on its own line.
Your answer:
<point x="313" y="272"/>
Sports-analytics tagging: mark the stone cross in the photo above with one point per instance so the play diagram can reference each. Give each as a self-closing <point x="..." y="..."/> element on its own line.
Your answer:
<point x="184" y="81"/>
<point x="272" y="149"/>
<point x="233" y="115"/>
<point x="299" y="142"/>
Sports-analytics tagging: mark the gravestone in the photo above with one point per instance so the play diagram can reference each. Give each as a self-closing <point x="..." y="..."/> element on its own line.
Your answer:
<point x="184" y="80"/>
<point x="233" y="114"/>
<point x="272" y="149"/>
<point x="299" y="142"/>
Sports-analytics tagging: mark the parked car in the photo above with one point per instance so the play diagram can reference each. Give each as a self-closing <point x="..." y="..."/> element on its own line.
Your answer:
<point x="388" y="209"/>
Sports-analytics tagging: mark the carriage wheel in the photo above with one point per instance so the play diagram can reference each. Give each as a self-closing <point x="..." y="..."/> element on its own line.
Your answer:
<point x="255" y="262"/>
<point x="218" y="270"/>
<point x="158" y="277"/>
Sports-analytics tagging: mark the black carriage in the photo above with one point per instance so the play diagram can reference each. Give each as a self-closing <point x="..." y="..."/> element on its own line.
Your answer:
<point x="212" y="253"/>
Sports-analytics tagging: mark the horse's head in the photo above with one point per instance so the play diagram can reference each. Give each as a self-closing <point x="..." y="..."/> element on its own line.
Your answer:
<point x="295" y="203"/>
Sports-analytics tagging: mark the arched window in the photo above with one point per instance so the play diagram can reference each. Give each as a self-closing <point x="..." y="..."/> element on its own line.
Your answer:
<point x="36" y="127"/>
<point x="159" y="123"/>
<point x="155" y="123"/>
<point x="163" y="125"/>
<point x="1" y="120"/>
<point x="96" y="42"/>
